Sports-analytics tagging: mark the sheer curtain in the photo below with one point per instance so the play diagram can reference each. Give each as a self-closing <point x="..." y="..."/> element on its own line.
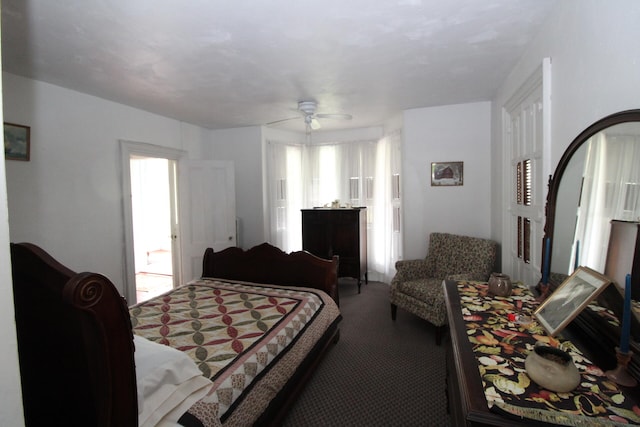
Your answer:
<point x="285" y="194"/>
<point x="386" y="239"/>
<point x="593" y="212"/>
<point x="339" y="171"/>
<point x="610" y="190"/>
<point x="354" y="173"/>
<point x="625" y="150"/>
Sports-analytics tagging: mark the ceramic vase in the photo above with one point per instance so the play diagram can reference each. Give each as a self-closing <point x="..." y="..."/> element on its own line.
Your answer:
<point x="500" y="285"/>
<point x="552" y="368"/>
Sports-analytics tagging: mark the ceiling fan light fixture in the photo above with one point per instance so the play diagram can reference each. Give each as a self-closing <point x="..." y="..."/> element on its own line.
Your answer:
<point x="308" y="111"/>
<point x="307" y="107"/>
<point x="314" y="124"/>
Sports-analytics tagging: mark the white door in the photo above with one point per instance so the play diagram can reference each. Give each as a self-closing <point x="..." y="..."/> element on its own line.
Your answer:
<point x="207" y="211"/>
<point x="525" y="137"/>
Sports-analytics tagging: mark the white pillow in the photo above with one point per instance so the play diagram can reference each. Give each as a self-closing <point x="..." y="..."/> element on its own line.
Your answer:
<point x="169" y="382"/>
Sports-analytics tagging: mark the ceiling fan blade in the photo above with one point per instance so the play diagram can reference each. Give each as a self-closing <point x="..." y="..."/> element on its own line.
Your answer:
<point x="335" y="116"/>
<point x="282" y="120"/>
<point x="314" y="124"/>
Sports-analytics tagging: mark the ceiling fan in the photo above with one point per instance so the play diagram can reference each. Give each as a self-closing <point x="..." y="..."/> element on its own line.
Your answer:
<point x="308" y="111"/>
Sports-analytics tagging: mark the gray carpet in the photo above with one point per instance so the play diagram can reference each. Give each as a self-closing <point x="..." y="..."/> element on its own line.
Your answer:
<point x="380" y="373"/>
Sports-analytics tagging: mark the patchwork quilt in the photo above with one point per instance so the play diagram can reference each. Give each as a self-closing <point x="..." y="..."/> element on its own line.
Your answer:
<point x="246" y="338"/>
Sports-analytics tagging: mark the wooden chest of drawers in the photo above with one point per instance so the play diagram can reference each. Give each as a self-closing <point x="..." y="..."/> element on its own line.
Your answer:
<point x="342" y="232"/>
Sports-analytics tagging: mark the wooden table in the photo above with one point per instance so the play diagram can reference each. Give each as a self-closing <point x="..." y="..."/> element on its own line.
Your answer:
<point x="467" y="403"/>
<point x="465" y="393"/>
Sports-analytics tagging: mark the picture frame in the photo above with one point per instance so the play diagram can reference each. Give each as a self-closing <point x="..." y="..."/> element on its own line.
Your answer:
<point x="17" y="142"/>
<point x="447" y="174"/>
<point x="570" y="298"/>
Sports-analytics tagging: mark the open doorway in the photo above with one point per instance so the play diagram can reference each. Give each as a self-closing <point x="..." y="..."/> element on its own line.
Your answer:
<point x="151" y="209"/>
<point x="205" y="218"/>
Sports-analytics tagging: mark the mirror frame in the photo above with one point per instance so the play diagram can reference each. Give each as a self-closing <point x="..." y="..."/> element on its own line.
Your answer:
<point x="554" y="180"/>
<point x="599" y="334"/>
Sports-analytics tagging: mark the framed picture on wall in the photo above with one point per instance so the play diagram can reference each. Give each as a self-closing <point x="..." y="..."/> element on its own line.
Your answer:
<point x="446" y="173"/>
<point x="17" y="142"/>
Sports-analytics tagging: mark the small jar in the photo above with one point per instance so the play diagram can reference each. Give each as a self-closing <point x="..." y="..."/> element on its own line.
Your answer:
<point x="500" y="285"/>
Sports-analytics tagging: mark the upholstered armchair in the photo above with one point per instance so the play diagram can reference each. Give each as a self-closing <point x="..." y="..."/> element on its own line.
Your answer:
<point x="417" y="285"/>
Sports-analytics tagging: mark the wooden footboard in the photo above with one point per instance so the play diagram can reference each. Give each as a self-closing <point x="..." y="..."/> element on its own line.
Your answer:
<point x="75" y="344"/>
<point x="267" y="264"/>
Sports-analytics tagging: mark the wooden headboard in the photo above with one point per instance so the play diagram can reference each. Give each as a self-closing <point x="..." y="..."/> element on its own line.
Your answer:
<point x="269" y="265"/>
<point x="75" y="344"/>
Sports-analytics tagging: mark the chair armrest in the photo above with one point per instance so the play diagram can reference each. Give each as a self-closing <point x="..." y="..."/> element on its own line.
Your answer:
<point x="412" y="269"/>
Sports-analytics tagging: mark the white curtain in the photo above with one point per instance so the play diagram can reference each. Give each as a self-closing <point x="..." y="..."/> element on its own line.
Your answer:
<point x="354" y="173"/>
<point x="285" y="195"/>
<point x="625" y="153"/>
<point x="386" y="239"/>
<point x="338" y="172"/>
<point x="610" y="190"/>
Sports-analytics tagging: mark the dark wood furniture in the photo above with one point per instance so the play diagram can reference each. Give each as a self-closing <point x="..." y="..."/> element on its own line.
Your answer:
<point x="271" y="265"/>
<point x="75" y="344"/>
<point x="75" y="341"/>
<point x="467" y="404"/>
<point x="591" y="328"/>
<point x="342" y="232"/>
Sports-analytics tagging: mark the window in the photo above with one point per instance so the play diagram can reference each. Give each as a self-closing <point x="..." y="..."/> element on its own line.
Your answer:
<point x="356" y="173"/>
<point x="523" y="183"/>
<point x="354" y="189"/>
<point x="523" y="197"/>
<point x="369" y="187"/>
<point x="526" y="241"/>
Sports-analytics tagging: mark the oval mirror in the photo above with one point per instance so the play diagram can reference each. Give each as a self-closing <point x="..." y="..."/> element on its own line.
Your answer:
<point x="597" y="181"/>
<point x="595" y="187"/>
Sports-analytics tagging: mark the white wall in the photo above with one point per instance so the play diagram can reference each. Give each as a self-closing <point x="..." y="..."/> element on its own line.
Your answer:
<point x="243" y="146"/>
<point x="445" y="134"/>
<point x="595" y="71"/>
<point x="68" y="198"/>
<point x="11" y="410"/>
<point x="393" y="124"/>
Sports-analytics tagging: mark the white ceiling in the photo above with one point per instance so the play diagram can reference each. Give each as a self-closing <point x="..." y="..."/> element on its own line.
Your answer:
<point x="223" y="64"/>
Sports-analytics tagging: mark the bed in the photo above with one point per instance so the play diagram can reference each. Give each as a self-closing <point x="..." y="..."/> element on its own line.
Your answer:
<point x="87" y="358"/>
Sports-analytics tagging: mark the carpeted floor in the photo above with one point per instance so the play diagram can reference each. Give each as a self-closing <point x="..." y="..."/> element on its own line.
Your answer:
<point x="380" y="373"/>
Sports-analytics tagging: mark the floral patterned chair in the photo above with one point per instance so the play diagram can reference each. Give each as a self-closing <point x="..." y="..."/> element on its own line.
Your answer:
<point x="417" y="285"/>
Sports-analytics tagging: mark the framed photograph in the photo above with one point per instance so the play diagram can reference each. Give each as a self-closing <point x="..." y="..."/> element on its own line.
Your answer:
<point x="17" y="142"/>
<point x="446" y="173"/>
<point x="570" y="298"/>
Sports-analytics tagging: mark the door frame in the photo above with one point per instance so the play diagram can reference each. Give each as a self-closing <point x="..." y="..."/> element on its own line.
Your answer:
<point x="127" y="149"/>
<point x="534" y="92"/>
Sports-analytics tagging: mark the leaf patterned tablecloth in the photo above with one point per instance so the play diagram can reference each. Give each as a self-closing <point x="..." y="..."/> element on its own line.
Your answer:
<point x="501" y="346"/>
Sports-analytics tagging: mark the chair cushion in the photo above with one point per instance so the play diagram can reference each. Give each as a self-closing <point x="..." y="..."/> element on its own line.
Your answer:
<point x="428" y="290"/>
<point x="424" y="298"/>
